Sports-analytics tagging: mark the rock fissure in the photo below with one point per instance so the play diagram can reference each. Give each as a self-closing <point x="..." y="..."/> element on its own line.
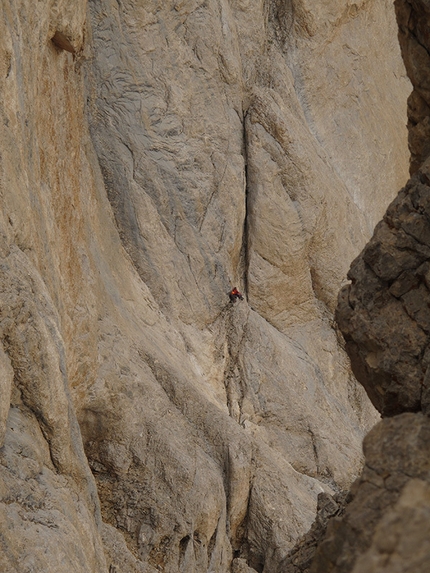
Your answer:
<point x="246" y="230"/>
<point x="233" y="374"/>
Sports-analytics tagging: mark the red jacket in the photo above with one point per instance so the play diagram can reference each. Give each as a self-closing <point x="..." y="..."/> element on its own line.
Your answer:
<point x="235" y="294"/>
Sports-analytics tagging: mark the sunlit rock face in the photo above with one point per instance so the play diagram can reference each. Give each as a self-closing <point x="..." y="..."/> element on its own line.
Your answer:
<point x="153" y="156"/>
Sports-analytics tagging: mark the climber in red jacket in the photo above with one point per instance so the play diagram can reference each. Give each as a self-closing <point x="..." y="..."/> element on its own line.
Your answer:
<point x="235" y="294"/>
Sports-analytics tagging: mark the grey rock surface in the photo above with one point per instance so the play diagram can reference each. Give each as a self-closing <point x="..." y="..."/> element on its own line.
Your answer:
<point x="385" y="526"/>
<point x="300" y="558"/>
<point x="153" y="156"/>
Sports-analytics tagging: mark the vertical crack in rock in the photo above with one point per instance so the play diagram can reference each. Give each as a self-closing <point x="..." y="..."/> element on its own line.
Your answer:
<point x="246" y="230"/>
<point x="315" y="449"/>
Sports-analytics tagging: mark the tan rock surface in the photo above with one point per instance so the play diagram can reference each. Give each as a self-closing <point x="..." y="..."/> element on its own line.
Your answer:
<point x="340" y="44"/>
<point x="210" y="160"/>
<point x="47" y="522"/>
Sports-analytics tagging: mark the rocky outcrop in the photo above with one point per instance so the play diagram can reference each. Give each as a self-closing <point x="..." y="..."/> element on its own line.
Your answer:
<point x="384" y="313"/>
<point x="153" y="156"/>
<point x="414" y="19"/>
<point x="386" y="523"/>
<point x="300" y="558"/>
<point x="384" y="316"/>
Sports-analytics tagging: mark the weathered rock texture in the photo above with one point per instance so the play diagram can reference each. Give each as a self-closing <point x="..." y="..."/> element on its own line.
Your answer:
<point x="387" y="521"/>
<point x="384" y="313"/>
<point x="414" y="20"/>
<point x="384" y="316"/>
<point x="153" y="156"/>
<point x="300" y="558"/>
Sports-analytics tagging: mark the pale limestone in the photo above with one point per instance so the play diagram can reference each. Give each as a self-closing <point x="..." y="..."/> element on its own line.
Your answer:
<point x="206" y="163"/>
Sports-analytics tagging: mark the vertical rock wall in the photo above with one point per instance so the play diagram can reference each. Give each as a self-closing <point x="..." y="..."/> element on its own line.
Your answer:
<point x="153" y="156"/>
<point x="50" y="512"/>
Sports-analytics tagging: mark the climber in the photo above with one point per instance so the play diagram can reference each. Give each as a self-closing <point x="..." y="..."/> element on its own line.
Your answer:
<point x="235" y="294"/>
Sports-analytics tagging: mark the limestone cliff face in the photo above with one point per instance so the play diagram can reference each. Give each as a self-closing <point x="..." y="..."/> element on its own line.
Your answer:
<point x="153" y="156"/>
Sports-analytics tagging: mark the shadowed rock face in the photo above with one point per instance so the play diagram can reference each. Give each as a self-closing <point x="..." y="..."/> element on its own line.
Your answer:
<point x="153" y="155"/>
<point x="387" y="520"/>
<point x="414" y="19"/>
<point x="384" y="315"/>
